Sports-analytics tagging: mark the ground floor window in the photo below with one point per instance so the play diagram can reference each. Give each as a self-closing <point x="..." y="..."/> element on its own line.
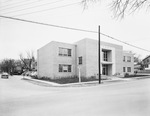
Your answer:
<point x="124" y="69"/>
<point x="146" y="66"/>
<point x="80" y="60"/>
<point x="129" y="69"/>
<point x="64" y="68"/>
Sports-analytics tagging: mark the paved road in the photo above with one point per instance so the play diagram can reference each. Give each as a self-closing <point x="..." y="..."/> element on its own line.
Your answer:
<point x="21" y="98"/>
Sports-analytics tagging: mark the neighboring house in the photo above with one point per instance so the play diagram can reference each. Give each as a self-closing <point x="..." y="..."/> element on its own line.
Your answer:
<point x="137" y="67"/>
<point x="146" y="63"/>
<point x="57" y="59"/>
<point x="17" y="68"/>
<point x="128" y="62"/>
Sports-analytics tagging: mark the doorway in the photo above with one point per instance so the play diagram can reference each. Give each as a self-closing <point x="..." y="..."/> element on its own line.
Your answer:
<point x="104" y="69"/>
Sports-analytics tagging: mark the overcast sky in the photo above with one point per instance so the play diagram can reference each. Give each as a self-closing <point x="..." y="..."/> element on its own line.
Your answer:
<point x="18" y="37"/>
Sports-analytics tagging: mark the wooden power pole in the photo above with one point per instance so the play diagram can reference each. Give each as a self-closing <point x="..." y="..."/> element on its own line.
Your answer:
<point x="99" y="55"/>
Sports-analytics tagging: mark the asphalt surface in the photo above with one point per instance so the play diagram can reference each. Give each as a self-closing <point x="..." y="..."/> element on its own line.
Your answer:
<point x="21" y="98"/>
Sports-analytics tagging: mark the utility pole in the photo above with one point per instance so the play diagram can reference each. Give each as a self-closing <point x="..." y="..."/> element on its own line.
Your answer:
<point x="79" y="75"/>
<point x="99" y="55"/>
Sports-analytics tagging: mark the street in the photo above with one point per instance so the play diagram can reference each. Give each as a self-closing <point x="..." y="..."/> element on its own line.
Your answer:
<point x="21" y="98"/>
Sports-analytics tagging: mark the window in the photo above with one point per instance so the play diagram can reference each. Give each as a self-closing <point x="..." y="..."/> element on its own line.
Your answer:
<point x="147" y="60"/>
<point x="69" y="68"/>
<point x="129" y="69"/>
<point x="128" y="59"/>
<point x="69" y="52"/>
<point x="64" y="52"/>
<point x="64" y="68"/>
<point x="105" y="56"/>
<point x="146" y="66"/>
<point x="124" y="58"/>
<point x="80" y="60"/>
<point x="124" y="69"/>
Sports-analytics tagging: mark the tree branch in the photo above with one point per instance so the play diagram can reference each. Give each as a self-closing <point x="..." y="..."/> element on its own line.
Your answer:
<point x="122" y="7"/>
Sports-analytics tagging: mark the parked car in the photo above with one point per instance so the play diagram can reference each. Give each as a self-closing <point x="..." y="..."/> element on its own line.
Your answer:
<point x="27" y="73"/>
<point x="5" y="75"/>
<point x="33" y="74"/>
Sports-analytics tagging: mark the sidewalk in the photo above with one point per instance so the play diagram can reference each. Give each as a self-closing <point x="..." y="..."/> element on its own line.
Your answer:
<point x="41" y="81"/>
<point x="90" y="83"/>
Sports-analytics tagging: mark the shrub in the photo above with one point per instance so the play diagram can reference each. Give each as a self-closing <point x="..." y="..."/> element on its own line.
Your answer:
<point x="126" y="75"/>
<point x="85" y="79"/>
<point x="70" y="79"/>
<point x="116" y="74"/>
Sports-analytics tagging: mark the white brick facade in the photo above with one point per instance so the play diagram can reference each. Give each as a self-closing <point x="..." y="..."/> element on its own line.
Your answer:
<point x="53" y="64"/>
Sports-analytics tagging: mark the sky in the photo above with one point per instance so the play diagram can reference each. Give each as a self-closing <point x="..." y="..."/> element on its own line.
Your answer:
<point x="20" y="37"/>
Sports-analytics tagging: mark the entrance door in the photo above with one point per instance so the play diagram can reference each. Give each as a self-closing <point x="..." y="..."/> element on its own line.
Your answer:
<point x="105" y="69"/>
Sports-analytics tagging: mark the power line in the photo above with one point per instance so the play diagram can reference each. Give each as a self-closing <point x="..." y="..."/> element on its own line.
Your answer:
<point x="6" y="1"/>
<point x="75" y="29"/>
<point x="48" y="9"/>
<point x="34" y="7"/>
<point x="28" y="4"/>
<point x="124" y="42"/>
<point x="14" y="3"/>
<point x="18" y="5"/>
<point x="46" y="24"/>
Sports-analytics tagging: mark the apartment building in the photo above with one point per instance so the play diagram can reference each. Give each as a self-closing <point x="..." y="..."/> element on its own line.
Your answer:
<point x="146" y="63"/>
<point x="128" y="62"/>
<point x="58" y="60"/>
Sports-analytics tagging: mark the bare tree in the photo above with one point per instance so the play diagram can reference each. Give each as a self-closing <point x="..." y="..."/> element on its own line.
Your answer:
<point x="28" y="60"/>
<point x="121" y="7"/>
<point x="137" y="58"/>
<point x="86" y="2"/>
<point x="7" y="65"/>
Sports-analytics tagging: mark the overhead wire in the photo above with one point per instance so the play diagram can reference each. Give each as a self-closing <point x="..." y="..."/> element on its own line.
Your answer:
<point x="75" y="29"/>
<point x="30" y="3"/>
<point x="14" y="3"/>
<point x="6" y="1"/>
<point x="58" y="7"/>
<point x="33" y="7"/>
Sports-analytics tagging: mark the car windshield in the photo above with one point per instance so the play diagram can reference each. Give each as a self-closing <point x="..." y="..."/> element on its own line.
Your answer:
<point x="5" y="74"/>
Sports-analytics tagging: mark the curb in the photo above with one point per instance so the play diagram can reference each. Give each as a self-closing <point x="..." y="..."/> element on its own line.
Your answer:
<point x="52" y="84"/>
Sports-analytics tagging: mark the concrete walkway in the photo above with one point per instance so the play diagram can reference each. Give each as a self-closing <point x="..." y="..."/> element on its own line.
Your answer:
<point x="41" y="81"/>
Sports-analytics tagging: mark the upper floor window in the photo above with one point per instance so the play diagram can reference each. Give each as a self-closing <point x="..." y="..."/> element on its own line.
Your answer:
<point x="80" y="60"/>
<point x="105" y="56"/>
<point x="64" y="52"/>
<point x="129" y="59"/>
<point x="64" y="68"/>
<point x="124" y="58"/>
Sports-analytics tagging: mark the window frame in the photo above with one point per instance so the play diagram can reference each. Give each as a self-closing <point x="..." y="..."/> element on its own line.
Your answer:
<point x="80" y="60"/>
<point x="124" y="69"/>
<point x="124" y="58"/>
<point x="62" y="66"/>
<point x="105" y="55"/>
<point x="128" y="58"/>
<point x="128" y="69"/>
<point x="65" y="52"/>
